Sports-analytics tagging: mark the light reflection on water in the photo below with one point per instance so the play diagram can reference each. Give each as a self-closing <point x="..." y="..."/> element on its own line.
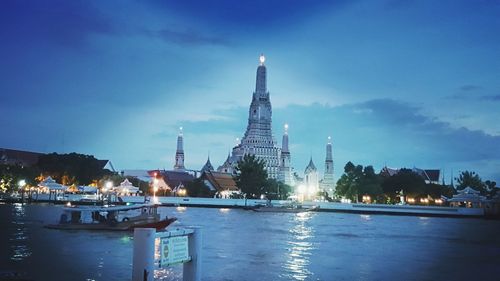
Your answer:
<point x="299" y="248"/>
<point x="245" y="245"/>
<point x="19" y="237"/>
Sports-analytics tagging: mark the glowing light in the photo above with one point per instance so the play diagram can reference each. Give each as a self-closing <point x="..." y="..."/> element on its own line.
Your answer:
<point x="301" y="189"/>
<point x="311" y="191"/>
<point x="262" y="59"/>
<point x="224" y="210"/>
<point x="22" y="183"/>
<point x="68" y="204"/>
<point x="155" y="200"/>
<point x="181" y="209"/>
<point x="109" y="184"/>
<point x="286" y="127"/>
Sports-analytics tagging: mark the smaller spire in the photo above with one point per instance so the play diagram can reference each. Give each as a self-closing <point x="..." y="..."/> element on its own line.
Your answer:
<point x="329" y="140"/>
<point x="286" y="128"/>
<point x="180" y="131"/>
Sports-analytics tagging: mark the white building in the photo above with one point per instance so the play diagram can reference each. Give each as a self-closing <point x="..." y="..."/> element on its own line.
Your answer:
<point x="311" y="178"/>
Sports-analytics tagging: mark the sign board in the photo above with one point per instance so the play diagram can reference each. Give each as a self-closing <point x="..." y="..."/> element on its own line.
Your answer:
<point x="174" y="250"/>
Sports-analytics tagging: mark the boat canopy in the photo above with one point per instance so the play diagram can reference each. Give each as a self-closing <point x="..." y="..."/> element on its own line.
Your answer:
<point x="108" y="208"/>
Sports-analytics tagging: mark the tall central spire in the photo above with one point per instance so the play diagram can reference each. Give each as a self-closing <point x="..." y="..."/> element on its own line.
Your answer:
<point x="258" y="139"/>
<point x="261" y="83"/>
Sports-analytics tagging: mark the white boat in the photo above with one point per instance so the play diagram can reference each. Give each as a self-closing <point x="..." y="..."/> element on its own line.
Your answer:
<point x="111" y="218"/>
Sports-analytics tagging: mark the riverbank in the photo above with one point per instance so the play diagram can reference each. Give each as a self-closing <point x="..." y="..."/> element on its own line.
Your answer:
<point x="402" y="210"/>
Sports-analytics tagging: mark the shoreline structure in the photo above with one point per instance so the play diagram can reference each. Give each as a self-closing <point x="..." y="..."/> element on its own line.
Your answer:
<point x="359" y="208"/>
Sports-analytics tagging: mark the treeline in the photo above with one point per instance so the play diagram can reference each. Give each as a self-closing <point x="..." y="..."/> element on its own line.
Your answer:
<point x="252" y="180"/>
<point x="67" y="169"/>
<point x="358" y="181"/>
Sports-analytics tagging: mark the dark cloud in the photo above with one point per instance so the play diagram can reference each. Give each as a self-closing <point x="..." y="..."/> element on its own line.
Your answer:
<point x="491" y="97"/>
<point x="468" y="88"/>
<point x="65" y="23"/>
<point x="254" y="14"/>
<point x="187" y="37"/>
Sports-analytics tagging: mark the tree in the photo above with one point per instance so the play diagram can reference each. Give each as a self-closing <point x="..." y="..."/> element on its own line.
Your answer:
<point x="251" y="178"/>
<point x="10" y="175"/>
<point x="410" y="182"/>
<point x="276" y="190"/>
<point x="79" y="168"/>
<point x="370" y="183"/>
<point x="471" y="179"/>
<point x="349" y="183"/>
<point x="197" y="188"/>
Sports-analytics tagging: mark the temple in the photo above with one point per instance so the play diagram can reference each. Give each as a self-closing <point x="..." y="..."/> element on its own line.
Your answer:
<point x="179" y="153"/>
<point x="258" y="139"/>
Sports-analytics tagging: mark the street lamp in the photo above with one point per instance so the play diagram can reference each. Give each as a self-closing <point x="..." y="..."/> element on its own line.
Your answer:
<point x="21" y="183"/>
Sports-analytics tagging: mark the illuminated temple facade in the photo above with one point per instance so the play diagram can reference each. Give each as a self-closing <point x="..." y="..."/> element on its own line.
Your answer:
<point x="258" y="139"/>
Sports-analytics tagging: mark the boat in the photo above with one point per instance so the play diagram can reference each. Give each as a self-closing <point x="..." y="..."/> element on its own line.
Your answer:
<point x="289" y="208"/>
<point x="110" y="217"/>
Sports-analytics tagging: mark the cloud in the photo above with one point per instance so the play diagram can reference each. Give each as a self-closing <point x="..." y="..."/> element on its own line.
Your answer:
<point x="491" y="97"/>
<point x="64" y="23"/>
<point x="188" y="37"/>
<point x="251" y="14"/>
<point x="375" y="132"/>
<point x="468" y="88"/>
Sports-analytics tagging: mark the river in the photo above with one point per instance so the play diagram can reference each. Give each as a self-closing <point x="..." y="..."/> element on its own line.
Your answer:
<point x="245" y="245"/>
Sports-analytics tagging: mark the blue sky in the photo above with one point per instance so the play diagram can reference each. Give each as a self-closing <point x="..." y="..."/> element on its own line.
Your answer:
<point x="397" y="83"/>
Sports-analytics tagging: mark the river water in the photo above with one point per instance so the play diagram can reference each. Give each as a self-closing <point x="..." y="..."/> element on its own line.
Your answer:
<point x="245" y="245"/>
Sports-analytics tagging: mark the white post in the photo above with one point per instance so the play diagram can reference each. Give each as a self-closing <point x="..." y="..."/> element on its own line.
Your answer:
<point x="144" y="254"/>
<point x="192" y="269"/>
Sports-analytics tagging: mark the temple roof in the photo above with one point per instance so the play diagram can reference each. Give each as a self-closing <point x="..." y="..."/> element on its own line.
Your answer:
<point x="208" y="166"/>
<point x="310" y="167"/>
<point x="220" y="181"/>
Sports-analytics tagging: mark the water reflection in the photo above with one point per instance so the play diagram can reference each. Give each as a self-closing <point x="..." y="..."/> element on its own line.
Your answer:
<point x="164" y="273"/>
<point x="19" y="236"/>
<point x="366" y="217"/>
<point x="299" y="248"/>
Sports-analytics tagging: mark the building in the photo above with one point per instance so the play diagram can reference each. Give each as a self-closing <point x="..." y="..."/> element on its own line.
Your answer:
<point x="171" y="181"/>
<point x="229" y="166"/>
<point x="222" y="184"/>
<point x="207" y="167"/>
<point x="327" y="183"/>
<point x="179" y="153"/>
<point x="285" y="174"/>
<point x="429" y="175"/>
<point x="311" y="178"/>
<point x="258" y="139"/>
<point x="468" y="198"/>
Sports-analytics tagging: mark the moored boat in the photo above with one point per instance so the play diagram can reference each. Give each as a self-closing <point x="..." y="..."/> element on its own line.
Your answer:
<point x="284" y="209"/>
<point x="120" y="218"/>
